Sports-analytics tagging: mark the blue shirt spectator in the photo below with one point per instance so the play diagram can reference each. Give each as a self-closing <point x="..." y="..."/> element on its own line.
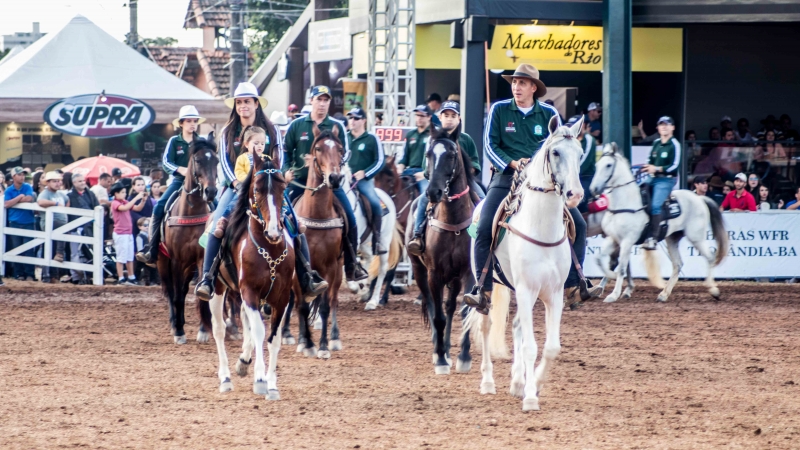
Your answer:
<point x="16" y="215"/>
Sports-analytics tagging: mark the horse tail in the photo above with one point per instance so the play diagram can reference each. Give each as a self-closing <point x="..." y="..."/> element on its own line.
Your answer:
<point x="718" y="228"/>
<point x="395" y="250"/>
<point x="204" y="310"/>
<point x="498" y="320"/>
<point x="653" y="269"/>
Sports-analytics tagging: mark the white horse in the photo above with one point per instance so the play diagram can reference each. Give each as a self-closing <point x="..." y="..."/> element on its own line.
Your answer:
<point x="625" y="220"/>
<point x="594" y="227"/>
<point x="387" y="232"/>
<point x="535" y="270"/>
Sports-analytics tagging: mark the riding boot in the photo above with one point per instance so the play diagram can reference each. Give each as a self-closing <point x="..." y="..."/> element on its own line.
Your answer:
<point x="480" y="299"/>
<point x="655" y="230"/>
<point x="417" y="244"/>
<point x="352" y="268"/>
<point x="205" y="288"/>
<point x="312" y="284"/>
<point x="149" y="254"/>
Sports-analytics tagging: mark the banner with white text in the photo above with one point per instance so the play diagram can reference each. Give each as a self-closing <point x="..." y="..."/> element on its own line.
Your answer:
<point x="762" y="244"/>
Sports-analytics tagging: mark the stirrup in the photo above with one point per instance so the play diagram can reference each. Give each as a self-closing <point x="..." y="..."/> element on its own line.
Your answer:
<point x="205" y="288"/>
<point x="354" y="272"/>
<point x="650" y="244"/>
<point x="148" y="256"/>
<point x="415" y="246"/>
<point x="479" y="300"/>
<point x="314" y="285"/>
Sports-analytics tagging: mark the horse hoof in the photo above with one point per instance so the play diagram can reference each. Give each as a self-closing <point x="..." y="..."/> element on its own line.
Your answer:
<point x="241" y="367"/>
<point x="518" y="389"/>
<point x="610" y="299"/>
<point x="530" y="404"/>
<point x="487" y="387"/>
<point x="273" y="394"/>
<point x="288" y="340"/>
<point x="318" y="323"/>
<point x="595" y="291"/>
<point x="463" y="366"/>
<point x="442" y="370"/>
<point x="336" y="345"/>
<point x="225" y="386"/>
<point x="233" y="336"/>
<point x="324" y="354"/>
<point x="353" y="287"/>
<point x="310" y="352"/>
<point x="301" y="348"/>
<point x="417" y="302"/>
<point x="365" y="298"/>
<point x="662" y="298"/>
<point x="370" y="307"/>
<point x="626" y="295"/>
<point x="180" y="340"/>
<point x="714" y="291"/>
<point x="260" y="387"/>
<point x="202" y="337"/>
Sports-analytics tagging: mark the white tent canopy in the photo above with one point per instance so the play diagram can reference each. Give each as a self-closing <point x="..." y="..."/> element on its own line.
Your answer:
<point x="80" y="59"/>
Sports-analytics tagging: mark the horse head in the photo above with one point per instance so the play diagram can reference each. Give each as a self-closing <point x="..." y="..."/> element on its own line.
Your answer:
<point x="327" y="153"/>
<point x="612" y="169"/>
<point x="444" y="163"/>
<point x="560" y="156"/>
<point x="203" y="167"/>
<point x="266" y="196"/>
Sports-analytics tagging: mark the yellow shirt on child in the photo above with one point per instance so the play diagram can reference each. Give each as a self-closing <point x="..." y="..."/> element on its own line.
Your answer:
<point x="242" y="167"/>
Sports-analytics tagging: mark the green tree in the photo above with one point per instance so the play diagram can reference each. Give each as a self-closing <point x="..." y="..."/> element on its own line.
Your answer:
<point x="160" y="42"/>
<point x="270" y="20"/>
<point x="3" y="53"/>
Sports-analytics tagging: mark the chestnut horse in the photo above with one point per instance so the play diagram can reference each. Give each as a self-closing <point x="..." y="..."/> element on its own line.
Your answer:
<point x="316" y="210"/>
<point x="183" y="226"/>
<point x="261" y="270"/>
<point x="446" y="258"/>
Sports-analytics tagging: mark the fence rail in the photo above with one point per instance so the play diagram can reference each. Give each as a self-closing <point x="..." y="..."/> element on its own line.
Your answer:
<point x="46" y="238"/>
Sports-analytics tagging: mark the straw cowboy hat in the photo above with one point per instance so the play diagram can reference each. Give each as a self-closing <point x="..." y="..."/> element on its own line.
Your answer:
<point x="279" y="118"/>
<point x="188" y="112"/>
<point x="52" y="176"/>
<point x="245" y="90"/>
<point x="531" y="73"/>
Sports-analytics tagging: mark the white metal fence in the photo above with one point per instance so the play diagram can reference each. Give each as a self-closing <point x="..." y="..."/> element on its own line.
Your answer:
<point x="46" y="238"/>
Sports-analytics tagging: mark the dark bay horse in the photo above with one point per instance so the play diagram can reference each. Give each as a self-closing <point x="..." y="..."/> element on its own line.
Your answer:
<point x="261" y="271"/>
<point x="317" y="211"/>
<point x="181" y="256"/>
<point x="446" y="259"/>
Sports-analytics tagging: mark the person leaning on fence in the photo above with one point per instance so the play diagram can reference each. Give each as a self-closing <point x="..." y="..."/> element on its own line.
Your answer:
<point x="123" y="233"/>
<point x="49" y="197"/>
<point x="16" y="193"/>
<point x="82" y="198"/>
<point x="175" y="162"/>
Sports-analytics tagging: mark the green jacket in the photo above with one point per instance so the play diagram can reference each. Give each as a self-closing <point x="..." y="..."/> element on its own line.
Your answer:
<point x="414" y="150"/>
<point x="589" y="158"/>
<point x="468" y="146"/>
<point x="176" y="155"/>
<point x="667" y="156"/>
<point x="367" y="154"/>
<point x="297" y="143"/>
<point x="512" y="135"/>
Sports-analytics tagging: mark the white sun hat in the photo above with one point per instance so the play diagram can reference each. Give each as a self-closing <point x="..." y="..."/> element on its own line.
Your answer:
<point x="188" y="112"/>
<point x="245" y="90"/>
<point x="279" y="118"/>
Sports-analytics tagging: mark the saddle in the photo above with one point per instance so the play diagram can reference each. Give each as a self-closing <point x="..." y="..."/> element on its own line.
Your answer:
<point x="178" y="221"/>
<point x="671" y="209"/>
<point x="324" y="224"/>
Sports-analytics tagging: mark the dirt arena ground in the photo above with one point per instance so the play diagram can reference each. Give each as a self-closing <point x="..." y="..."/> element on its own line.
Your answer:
<point x="96" y="367"/>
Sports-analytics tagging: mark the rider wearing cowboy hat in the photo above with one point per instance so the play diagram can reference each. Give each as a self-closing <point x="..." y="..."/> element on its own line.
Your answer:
<point x="175" y="161"/>
<point x="299" y="138"/>
<point x="515" y="127"/>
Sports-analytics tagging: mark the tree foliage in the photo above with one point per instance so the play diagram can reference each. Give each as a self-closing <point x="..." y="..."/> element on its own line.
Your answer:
<point x="160" y="42"/>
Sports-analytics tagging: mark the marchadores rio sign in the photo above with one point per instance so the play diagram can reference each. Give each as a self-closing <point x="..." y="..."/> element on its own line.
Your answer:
<point x="99" y="115"/>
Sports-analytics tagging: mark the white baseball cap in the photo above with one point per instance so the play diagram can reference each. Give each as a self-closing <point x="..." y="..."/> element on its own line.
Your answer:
<point x="741" y="176"/>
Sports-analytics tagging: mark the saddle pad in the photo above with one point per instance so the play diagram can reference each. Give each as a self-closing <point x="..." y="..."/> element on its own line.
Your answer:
<point x="187" y="221"/>
<point x="321" y="224"/>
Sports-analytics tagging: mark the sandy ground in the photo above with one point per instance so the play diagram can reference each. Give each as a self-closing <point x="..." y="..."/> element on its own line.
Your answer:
<point x="96" y="367"/>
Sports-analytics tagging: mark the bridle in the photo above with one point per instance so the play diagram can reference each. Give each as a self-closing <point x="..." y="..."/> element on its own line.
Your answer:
<point x="318" y="168"/>
<point x="454" y="173"/>
<point x="557" y="188"/>
<point x="195" y="182"/>
<point x="254" y="212"/>
<point x="608" y="189"/>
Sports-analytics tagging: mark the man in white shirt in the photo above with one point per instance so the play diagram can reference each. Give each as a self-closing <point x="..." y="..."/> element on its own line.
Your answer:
<point x="100" y="190"/>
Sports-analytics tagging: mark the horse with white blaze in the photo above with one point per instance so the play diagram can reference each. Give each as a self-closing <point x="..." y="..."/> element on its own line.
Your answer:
<point x="535" y="257"/>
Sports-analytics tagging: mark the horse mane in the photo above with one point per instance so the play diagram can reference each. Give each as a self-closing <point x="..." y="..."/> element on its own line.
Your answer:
<point x="199" y="144"/>
<point x="326" y="134"/>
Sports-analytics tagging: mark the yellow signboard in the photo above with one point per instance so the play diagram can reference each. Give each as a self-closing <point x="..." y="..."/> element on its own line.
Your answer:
<point x="581" y="48"/>
<point x="554" y="47"/>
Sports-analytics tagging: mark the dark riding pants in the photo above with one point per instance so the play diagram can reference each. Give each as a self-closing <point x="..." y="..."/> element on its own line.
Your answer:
<point x="158" y="211"/>
<point x="367" y="189"/>
<point x="498" y="190"/>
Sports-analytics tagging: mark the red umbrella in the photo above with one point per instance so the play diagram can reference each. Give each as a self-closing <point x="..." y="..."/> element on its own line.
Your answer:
<point x="92" y="168"/>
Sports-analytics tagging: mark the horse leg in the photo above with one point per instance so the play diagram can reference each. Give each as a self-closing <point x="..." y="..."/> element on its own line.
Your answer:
<point x="487" y="368"/>
<point x="701" y="246"/>
<point x="218" y="329"/>
<point x="257" y="334"/>
<point x="438" y="323"/>
<point x="677" y="263"/>
<point x="286" y="333"/>
<point x="553" y="306"/>
<point x="324" y="312"/>
<point x="517" y="365"/>
<point x="178" y="303"/>
<point x="525" y="301"/>
<point x="628" y="293"/>
<point x="453" y="291"/>
<point x="230" y="323"/>
<point x="464" y="360"/>
<point x="375" y="299"/>
<point x="305" y="344"/>
<point x="621" y="270"/>
<point x="368" y="295"/>
<point x="336" y="342"/>
<point x="274" y="346"/>
<point x="247" y="345"/>
<point x="387" y="286"/>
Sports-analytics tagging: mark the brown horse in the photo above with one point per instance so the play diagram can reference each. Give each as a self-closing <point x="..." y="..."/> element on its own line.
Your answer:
<point x="181" y="256"/>
<point x="446" y="258"/>
<point x="261" y="269"/>
<point x="317" y="211"/>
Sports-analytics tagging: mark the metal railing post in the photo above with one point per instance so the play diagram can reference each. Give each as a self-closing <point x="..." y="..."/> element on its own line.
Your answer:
<point x="2" y="238"/>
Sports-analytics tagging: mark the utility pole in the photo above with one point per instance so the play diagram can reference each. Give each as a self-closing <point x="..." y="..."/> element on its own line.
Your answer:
<point x="133" y="35"/>
<point x="238" y="71"/>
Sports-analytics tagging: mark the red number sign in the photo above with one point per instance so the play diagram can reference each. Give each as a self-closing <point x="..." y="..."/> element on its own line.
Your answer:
<point x="392" y="134"/>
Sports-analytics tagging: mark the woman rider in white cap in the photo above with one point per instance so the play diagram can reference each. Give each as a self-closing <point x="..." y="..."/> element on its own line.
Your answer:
<point x="175" y="161"/>
<point x="247" y="110"/>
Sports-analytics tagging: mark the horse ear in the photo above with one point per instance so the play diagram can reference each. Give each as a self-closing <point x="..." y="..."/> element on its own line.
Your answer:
<point x="315" y="130"/>
<point x="614" y="148"/>
<point x="210" y="136"/>
<point x="576" y="129"/>
<point x="435" y="132"/>
<point x="335" y="132"/>
<point x="553" y="125"/>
